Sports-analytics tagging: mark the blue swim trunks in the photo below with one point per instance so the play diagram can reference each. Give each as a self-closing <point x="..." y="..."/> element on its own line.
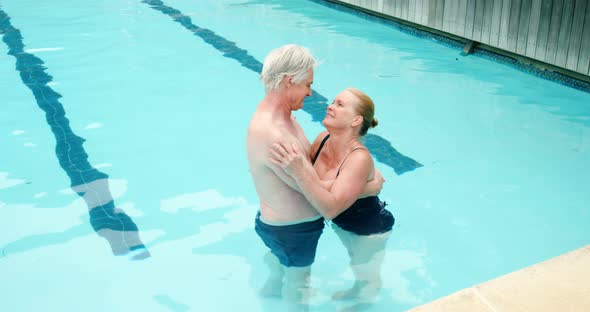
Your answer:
<point x="295" y="245"/>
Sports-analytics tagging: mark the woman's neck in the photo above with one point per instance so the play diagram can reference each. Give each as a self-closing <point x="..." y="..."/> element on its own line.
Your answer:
<point x="341" y="143"/>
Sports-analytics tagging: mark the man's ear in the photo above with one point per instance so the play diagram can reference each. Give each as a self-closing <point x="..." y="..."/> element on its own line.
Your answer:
<point x="358" y="120"/>
<point x="286" y="81"/>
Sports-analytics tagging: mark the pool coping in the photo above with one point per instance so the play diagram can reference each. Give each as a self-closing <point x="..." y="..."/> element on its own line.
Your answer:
<point x="558" y="284"/>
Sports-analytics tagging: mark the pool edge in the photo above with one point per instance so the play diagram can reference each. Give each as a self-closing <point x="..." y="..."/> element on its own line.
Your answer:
<point x="522" y="63"/>
<point x="557" y="284"/>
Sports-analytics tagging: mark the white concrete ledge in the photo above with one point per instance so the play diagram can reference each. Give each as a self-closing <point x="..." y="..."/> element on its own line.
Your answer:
<point x="558" y="284"/>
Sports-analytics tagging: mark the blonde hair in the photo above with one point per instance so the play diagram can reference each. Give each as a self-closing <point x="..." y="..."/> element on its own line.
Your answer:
<point x="366" y="108"/>
<point x="288" y="60"/>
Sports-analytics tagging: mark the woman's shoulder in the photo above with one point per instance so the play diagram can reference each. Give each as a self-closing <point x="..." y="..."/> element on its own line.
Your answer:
<point x="318" y="140"/>
<point x="359" y="156"/>
<point x="361" y="153"/>
<point x="321" y="137"/>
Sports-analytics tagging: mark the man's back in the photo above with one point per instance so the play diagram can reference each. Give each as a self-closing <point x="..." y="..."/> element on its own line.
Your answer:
<point x="279" y="202"/>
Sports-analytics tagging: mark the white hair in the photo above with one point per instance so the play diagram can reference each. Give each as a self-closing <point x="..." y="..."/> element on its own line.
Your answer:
<point x="288" y="60"/>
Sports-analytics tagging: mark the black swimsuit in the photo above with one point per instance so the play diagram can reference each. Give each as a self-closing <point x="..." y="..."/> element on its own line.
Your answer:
<point x="367" y="215"/>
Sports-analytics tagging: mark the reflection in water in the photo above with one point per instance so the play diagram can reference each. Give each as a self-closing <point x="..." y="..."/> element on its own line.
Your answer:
<point x="316" y="104"/>
<point x="89" y="183"/>
<point x="528" y="91"/>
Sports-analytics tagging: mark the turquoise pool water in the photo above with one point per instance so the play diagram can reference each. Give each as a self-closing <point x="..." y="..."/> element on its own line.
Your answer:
<point x="143" y="106"/>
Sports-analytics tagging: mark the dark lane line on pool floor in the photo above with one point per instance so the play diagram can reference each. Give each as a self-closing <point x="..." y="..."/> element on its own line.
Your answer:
<point x="89" y="183"/>
<point x="315" y="105"/>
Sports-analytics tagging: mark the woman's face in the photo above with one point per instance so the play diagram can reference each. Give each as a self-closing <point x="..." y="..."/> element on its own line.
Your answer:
<point x="342" y="111"/>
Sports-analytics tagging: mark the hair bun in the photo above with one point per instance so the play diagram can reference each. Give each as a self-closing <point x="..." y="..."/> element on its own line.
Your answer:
<point x="374" y="123"/>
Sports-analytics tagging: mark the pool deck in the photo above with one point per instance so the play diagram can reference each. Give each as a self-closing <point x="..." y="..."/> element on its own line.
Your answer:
<point x="558" y="284"/>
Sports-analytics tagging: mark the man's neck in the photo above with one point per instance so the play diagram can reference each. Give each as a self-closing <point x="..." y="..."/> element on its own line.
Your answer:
<point x="277" y="104"/>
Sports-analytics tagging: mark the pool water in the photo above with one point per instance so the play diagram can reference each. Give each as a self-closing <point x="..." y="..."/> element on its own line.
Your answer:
<point x="123" y="175"/>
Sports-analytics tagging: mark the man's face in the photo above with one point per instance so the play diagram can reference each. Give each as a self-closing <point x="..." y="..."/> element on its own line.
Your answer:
<point x="300" y="90"/>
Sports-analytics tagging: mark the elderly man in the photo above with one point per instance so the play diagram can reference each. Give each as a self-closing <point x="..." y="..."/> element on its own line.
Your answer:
<point x="286" y="223"/>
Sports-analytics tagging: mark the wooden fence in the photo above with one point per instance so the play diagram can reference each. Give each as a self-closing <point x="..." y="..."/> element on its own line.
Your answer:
<point x="555" y="32"/>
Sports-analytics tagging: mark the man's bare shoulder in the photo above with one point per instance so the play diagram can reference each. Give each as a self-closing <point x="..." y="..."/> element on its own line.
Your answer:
<point x="265" y="127"/>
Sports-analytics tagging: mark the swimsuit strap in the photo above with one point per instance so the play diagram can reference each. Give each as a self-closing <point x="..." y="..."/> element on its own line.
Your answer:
<point x="342" y="163"/>
<point x="319" y="149"/>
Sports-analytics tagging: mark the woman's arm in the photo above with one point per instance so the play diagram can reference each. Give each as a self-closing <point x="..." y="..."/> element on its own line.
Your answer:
<point x="272" y="137"/>
<point x="345" y="190"/>
<point x="373" y="187"/>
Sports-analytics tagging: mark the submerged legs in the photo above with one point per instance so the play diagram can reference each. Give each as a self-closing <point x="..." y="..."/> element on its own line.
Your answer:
<point x="274" y="283"/>
<point x="290" y="283"/>
<point x="366" y="257"/>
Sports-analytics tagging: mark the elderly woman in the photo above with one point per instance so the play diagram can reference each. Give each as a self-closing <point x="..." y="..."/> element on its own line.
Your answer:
<point x="338" y="156"/>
